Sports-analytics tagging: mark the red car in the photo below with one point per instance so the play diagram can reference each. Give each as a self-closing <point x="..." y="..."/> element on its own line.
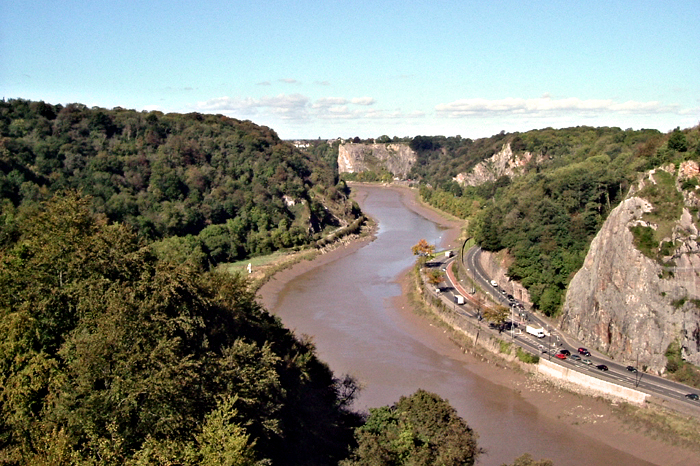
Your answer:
<point x="561" y="356"/>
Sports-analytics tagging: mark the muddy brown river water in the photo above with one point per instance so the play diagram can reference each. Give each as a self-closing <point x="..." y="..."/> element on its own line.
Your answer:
<point x="349" y="307"/>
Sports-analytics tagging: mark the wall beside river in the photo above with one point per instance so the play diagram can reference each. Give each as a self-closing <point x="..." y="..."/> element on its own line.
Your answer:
<point x="353" y="305"/>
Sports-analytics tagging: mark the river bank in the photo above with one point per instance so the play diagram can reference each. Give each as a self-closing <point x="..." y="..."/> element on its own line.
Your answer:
<point x="590" y="417"/>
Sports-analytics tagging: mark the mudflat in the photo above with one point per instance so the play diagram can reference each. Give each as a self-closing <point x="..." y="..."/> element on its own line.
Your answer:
<point x="592" y="417"/>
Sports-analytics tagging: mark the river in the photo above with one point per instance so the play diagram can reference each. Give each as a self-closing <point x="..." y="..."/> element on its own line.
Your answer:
<point x="349" y="307"/>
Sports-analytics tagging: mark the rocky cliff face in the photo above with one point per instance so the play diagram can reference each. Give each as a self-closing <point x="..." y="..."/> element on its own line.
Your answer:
<point x="502" y="163"/>
<point x="630" y="306"/>
<point x="395" y="158"/>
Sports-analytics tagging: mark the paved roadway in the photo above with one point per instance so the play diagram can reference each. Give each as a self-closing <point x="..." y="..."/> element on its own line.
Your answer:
<point x="552" y="344"/>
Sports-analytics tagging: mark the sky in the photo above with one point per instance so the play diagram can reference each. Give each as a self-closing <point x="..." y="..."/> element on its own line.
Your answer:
<point x="326" y="69"/>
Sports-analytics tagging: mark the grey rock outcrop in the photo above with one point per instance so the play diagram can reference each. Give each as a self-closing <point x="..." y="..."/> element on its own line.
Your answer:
<point x="504" y="162"/>
<point x="630" y="306"/>
<point x="395" y="158"/>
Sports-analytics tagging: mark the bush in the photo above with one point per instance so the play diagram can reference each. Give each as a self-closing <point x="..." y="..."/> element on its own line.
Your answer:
<point x="526" y="357"/>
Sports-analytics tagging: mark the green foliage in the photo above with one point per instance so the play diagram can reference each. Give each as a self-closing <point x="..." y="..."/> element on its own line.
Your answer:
<point x="435" y="276"/>
<point x="677" y="141"/>
<point x="547" y="216"/>
<point x="173" y="175"/>
<point x="526" y="357"/>
<point x="667" y="204"/>
<point x="644" y="240"/>
<point x="112" y="356"/>
<point x="505" y="347"/>
<point x="678" y="369"/>
<point x="527" y="460"/>
<point x="422" y="429"/>
<point x="451" y="201"/>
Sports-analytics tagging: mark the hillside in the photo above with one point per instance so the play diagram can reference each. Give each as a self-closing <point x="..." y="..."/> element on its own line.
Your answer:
<point x="637" y="297"/>
<point x="211" y="188"/>
<point x="543" y="195"/>
<point x="112" y="356"/>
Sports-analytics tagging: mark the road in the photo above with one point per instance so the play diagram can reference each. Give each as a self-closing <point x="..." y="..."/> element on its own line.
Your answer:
<point x="555" y="341"/>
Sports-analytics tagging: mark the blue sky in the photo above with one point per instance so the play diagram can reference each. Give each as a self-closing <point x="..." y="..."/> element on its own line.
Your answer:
<point x="311" y="69"/>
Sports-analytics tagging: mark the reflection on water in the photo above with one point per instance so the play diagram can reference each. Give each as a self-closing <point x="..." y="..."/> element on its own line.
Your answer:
<point x="346" y="306"/>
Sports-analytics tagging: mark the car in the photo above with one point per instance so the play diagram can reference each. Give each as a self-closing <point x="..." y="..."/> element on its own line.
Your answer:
<point x="602" y="367"/>
<point x="631" y="368"/>
<point x="692" y="396"/>
<point x="561" y="356"/>
<point x="586" y="361"/>
<point x="542" y="348"/>
<point x="584" y="352"/>
<point x="575" y="357"/>
<point x="494" y="284"/>
<point x="565" y="352"/>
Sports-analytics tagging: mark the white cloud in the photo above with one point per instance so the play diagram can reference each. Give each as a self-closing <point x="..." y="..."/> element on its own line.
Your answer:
<point x="289" y="81"/>
<point x="546" y="106"/>
<point x="326" y="102"/>
<point x="287" y="106"/>
<point x="298" y="107"/>
<point x="363" y="101"/>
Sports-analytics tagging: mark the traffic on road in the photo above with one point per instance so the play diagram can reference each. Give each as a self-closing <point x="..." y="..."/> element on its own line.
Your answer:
<point x="537" y="336"/>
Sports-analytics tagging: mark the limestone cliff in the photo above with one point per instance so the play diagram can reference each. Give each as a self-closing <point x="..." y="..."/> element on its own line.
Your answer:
<point x="502" y="163"/>
<point x="631" y="306"/>
<point x="395" y="158"/>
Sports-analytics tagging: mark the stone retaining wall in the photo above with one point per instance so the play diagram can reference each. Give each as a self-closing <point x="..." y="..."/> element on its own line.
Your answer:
<point x="480" y="336"/>
<point x="564" y="374"/>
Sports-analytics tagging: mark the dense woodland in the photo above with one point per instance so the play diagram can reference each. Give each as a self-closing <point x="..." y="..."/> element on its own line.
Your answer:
<point x="547" y="217"/>
<point x="210" y="188"/>
<point x="119" y="349"/>
<point x="112" y="356"/>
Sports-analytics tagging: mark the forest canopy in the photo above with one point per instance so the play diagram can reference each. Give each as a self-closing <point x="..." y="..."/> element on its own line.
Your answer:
<point x="112" y="356"/>
<point x="214" y="188"/>
<point x="547" y="215"/>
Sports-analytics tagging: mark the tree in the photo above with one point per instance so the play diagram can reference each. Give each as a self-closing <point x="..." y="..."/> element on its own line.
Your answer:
<point x="435" y="276"/>
<point x="110" y="354"/>
<point x="422" y="248"/>
<point x="498" y="314"/>
<point x="677" y="141"/>
<point x="419" y="430"/>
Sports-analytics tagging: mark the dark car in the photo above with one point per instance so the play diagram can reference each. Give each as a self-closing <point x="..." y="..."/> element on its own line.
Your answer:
<point x="631" y="368"/>
<point x="602" y="367"/>
<point x="565" y="352"/>
<point x="584" y="352"/>
<point x="561" y="356"/>
<point x="692" y="396"/>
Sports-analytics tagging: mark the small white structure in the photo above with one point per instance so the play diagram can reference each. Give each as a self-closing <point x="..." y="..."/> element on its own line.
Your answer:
<point x="250" y="267"/>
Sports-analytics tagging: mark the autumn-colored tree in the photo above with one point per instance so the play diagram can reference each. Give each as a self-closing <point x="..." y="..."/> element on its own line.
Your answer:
<point x="496" y="314"/>
<point x="422" y="248"/>
<point x="435" y="276"/>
